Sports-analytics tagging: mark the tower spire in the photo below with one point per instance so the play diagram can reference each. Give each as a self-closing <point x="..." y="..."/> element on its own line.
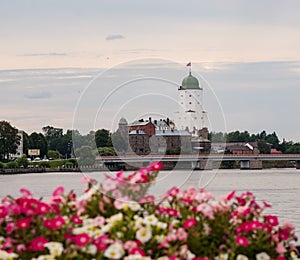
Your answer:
<point x="190" y="67"/>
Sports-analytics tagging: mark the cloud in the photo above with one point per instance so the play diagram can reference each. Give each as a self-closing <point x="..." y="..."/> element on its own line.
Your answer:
<point x="112" y="37"/>
<point x="45" y="54"/>
<point x="38" y="95"/>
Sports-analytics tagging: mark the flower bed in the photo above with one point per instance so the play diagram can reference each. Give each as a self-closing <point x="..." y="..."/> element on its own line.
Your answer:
<point x="117" y="219"/>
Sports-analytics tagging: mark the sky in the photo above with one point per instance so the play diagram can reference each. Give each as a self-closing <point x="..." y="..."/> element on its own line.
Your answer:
<point x="247" y="51"/>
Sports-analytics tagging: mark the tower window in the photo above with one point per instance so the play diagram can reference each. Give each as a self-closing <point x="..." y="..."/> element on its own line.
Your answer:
<point x="190" y="95"/>
<point x="190" y="103"/>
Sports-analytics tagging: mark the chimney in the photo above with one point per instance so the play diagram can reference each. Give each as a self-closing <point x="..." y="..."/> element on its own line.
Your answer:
<point x="150" y="119"/>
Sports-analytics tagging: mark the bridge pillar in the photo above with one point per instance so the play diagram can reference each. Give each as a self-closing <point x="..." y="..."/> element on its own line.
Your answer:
<point x="202" y="165"/>
<point x="297" y="164"/>
<point x="251" y="165"/>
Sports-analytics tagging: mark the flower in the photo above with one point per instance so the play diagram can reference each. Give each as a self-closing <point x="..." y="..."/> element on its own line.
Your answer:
<point x="54" y="223"/>
<point x="55" y="248"/>
<point x="23" y="223"/>
<point x="144" y="234"/>
<point x="272" y="220"/>
<point x="241" y="241"/>
<point x="82" y="239"/>
<point x="262" y="256"/>
<point x="189" y="223"/>
<point x="242" y="257"/>
<point x="38" y="243"/>
<point x="114" y="251"/>
<point x="150" y="220"/>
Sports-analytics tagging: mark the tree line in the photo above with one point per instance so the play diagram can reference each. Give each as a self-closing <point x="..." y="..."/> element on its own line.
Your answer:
<point x="265" y="141"/>
<point x="54" y="143"/>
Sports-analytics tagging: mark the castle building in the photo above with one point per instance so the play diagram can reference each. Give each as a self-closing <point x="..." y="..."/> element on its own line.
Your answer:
<point x="188" y="133"/>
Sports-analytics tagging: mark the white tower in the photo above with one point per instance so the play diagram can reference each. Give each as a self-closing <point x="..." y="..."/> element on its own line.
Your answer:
<point x="191" y="115"/>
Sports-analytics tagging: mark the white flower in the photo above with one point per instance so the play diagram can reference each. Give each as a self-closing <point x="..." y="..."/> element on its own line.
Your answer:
<point x="137" y="257"/>
<point x="160" y="238"/>
<point x="161" y="225"/>
<point x="115" y="218"/>
<point x="150" y="220"/>
<point x="221" y="257"/>
<point x="242" y="257"/>
<point x="114" y="251"/>
<point x="138" y="222"/>
<point x="43" y="257"/>
<point x="55" y="248"/>
<point x="134" y="206"/>
<point x="144" y="234"/>
<point x="163" y="258"/>
<point x="92" y="249"/>
<point x="7" y="256"/>
<point x="262" y="256"/>
<point x="106" y="228"/>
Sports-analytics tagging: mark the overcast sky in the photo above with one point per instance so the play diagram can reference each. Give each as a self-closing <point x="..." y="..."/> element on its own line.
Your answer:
<point x="247" y="50"/>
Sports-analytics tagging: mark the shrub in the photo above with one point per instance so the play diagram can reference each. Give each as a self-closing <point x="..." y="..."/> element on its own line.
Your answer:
<point x="118" y="220"/>
<point x="11" y="165"/>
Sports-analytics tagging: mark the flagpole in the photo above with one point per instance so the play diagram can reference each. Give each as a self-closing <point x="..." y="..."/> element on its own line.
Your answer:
<point x="190" y="68"/>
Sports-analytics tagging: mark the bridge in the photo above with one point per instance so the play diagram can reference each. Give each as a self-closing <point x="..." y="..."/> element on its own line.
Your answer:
<point x="202" y="161"/>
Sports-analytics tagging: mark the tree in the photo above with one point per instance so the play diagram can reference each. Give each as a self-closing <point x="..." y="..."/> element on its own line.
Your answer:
<point x="102" y="138"/>
<point x="9" y="140"/>
<point x="38" y="141"/>
<point x="295" y="148"/>
<point x="86" y="156"/>
<point x="264" y="147"/>
<point x="119" y="143"/>
<point x="106" y="151"/>
<point x="53" y="154"/>
<point x="22" y="161"/>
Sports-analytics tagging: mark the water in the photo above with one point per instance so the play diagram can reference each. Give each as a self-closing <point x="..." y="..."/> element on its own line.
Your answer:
<point x="279" y="187"/>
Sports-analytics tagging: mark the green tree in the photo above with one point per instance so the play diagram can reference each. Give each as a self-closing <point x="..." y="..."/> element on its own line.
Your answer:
<point x="119" y="143"/>
<point x="103" y="138"/>
<point x="273" y="140"/>
<point x="53" y="154"/>
<point x="85" y="156"/>
<point x="264" y="147"/>
<point x="106" y="151"/>
<point x="38" y="141"/>
<point x="22" y="161"/>
<point x="9" y="140"/>
<point x="295" y="148"/>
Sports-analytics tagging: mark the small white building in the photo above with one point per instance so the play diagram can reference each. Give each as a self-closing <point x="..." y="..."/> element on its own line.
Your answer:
<point x="19" y="152"/>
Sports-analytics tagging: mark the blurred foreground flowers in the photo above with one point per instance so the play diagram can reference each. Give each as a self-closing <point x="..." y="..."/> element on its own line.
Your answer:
<point x="117" y="219"/>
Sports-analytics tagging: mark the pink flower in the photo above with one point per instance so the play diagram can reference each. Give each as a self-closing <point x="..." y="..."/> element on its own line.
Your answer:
<point x="10" y="227"/>
<point x="26" y="193"/>
<point x="147" y="199"/>
<point x="43" y="208"/>
<point x="173" y="192"/>
<point x="23" y="223"/>
<point x="54" y="223"/>
<point x="76" y="220"/>
<point x="280" y="249"/>
<point x="206" y="210"/>
<point x="189" y="223"/>
<point x="272" y="220"/>
<point x="101" y="242"/>
<point x="129" y="245"/>
<point x="137" y="251"/>
<point x="38" y="243"/>
<point x="155" y="166"/>
<point x="181" y="234"/>
<point x="82" y="239"/>
<point x="172" y="212"/>
<point x="3" y="212"/>
<point x="58" y="191"/>
<point x="231" y="195"/>
<point x="241" y="241"/>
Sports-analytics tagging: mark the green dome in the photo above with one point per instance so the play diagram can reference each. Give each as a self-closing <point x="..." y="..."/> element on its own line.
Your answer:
<point x="190" y="82"/>
<point x="123" y="121"/>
